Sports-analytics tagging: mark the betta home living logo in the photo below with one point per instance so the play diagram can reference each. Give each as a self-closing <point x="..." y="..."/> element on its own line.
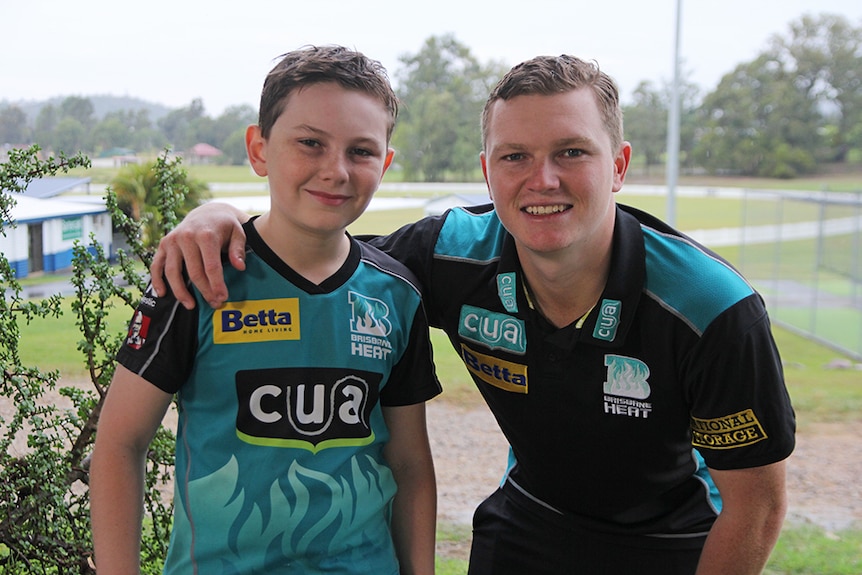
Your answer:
<point x="256" y="321"/>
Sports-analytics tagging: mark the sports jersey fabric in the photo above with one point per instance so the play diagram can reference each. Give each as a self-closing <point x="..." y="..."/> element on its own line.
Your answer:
<point x="612" y="423"/>
<point x="279" y="463"/>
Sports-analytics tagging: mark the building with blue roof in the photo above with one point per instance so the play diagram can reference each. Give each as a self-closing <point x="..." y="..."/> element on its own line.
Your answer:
<point x="47" y="229"/>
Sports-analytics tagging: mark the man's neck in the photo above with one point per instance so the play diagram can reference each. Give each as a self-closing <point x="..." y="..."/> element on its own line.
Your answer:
<point x="563" y="292"/>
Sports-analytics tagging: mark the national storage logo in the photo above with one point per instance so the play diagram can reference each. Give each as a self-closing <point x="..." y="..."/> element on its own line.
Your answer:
<point x="729" y="432"/>
<point x="256" y="321"/>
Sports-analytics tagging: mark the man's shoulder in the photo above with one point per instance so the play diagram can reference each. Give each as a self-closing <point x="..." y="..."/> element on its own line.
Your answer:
<point x="471" y="233"/>
<point x="386" y="263"/>
<point x="687" y="278"/>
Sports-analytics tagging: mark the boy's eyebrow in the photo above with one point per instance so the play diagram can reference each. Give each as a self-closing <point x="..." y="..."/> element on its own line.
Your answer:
<point x="310" y="128"/>
<point x="368" y="140"/>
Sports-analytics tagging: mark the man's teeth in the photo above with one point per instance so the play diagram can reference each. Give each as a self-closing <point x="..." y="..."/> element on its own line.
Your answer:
<point x="544" y="210"/>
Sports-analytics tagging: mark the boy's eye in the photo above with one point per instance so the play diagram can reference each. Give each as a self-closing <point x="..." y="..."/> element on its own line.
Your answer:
<point x="309" y="142"/>
<point x="362" y="152"/>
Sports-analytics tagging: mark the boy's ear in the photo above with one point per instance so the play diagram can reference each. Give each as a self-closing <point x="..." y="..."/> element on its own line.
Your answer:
<point x="255" y="147"/>
<point x="390" y="154"/>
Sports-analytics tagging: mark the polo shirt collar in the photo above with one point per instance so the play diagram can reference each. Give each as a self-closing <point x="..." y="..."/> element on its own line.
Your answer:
<point x="611" y="318"/>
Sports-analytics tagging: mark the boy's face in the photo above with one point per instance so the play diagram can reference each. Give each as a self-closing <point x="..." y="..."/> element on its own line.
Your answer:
<point x="324" y="158"/>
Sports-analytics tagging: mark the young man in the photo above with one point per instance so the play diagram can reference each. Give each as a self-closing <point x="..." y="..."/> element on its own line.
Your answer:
<point x="301" y="443"/>
<point x="632" y="370"/>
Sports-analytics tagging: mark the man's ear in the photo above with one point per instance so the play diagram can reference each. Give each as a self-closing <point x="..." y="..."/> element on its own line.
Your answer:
<point x="484" y="161"/>
<point x="255" y="147"/>
<point x="621" y="165"/>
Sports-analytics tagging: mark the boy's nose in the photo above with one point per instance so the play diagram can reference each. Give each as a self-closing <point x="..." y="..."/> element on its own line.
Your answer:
<point x="334" y="168"/>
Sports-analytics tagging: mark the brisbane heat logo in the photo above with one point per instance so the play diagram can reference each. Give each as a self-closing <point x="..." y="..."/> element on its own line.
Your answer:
<point x="627" y="389"/>
<point x="368" y="315"/>
<point x="369" y="326"/>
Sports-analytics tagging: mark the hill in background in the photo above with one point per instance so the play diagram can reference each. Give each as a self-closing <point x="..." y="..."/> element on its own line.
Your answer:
<point x="102" y="105"/>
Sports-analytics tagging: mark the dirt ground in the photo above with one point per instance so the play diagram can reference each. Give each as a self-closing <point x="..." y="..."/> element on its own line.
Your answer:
<point x="470" y="458"/>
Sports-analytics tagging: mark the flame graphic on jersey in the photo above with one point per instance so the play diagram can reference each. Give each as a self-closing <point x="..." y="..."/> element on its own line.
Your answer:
<point x="288" y="525"/>
<point x="368" y="315"/>
<point x="627" y="377"/>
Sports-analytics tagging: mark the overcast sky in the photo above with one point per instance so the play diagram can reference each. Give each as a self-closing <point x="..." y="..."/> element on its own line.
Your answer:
<point x="173" y="51"/>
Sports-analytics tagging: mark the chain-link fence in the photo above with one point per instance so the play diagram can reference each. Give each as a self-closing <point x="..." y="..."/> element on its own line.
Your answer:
<point x="803" y="252"/>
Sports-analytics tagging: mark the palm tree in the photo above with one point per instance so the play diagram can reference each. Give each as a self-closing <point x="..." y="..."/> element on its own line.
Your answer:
<point x="138" y="188"/>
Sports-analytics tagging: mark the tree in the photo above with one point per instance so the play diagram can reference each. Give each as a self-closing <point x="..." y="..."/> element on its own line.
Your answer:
<point x="233" y="148"/>
<point x="13" y="126"/>
<point x="111" y="132"/>
<point x="443" y="89"/>
<point x="44" y="501"/>
<point x="80" y="109"/>
<point x="138" y="190"/>
<point x="70" y="136"/>
<point x="646" y="124"/>
<point x="46" y="124"/>
<point x="758" y="122"/>
<point x="179" y="125"/>
<point x="826" y="54"/>
<point x="232" y="120"/>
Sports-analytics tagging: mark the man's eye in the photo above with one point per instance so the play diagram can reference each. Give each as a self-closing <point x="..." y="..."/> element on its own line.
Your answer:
<point x="513" y="157"/>
<point x="573" y="153"/>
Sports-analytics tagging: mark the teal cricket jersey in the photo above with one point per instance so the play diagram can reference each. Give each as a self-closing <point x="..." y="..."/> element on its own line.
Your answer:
<point x="279" y="454"/>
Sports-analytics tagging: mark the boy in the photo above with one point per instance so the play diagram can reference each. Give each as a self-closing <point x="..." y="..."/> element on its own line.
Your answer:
<point x="301" y="399"/>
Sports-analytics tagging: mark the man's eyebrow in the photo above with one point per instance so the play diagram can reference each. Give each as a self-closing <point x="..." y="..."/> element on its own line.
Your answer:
<point x="575" y="141"/>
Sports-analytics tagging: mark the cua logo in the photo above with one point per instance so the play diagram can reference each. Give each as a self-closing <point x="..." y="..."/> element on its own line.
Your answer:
<point x="609" y="319"/>
<point x="308" y="408"/>
<point x="494" y="330"/>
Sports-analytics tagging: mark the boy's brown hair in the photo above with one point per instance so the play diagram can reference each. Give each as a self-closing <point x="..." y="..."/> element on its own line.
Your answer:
<point x="350" y="69"/>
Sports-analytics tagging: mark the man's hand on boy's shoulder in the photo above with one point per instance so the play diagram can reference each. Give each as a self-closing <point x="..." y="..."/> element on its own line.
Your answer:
<point x="198" y="242"/>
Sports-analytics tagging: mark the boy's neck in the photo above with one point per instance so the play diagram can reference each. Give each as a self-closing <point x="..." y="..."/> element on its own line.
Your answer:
<point x="316" y="258"/>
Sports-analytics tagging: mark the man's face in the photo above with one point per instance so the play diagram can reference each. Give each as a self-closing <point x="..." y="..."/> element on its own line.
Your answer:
<point x="552" y="173"/>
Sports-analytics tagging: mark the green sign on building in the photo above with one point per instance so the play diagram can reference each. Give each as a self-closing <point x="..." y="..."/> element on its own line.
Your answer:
<point x="73" y="229"/>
